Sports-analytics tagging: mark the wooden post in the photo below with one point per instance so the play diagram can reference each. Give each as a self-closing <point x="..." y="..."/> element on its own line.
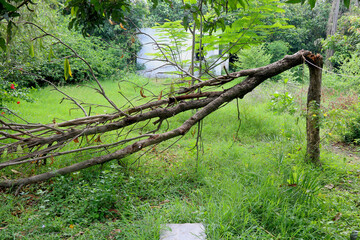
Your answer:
<point x="315" y="64"/>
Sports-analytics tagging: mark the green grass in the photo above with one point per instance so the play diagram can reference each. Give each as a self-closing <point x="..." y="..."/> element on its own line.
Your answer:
<point x="250" y="184"/>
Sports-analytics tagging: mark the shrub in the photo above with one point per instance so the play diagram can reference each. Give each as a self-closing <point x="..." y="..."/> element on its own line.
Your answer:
<point x="252" y="57"/>
<point x="283" y="101"/>
<point x="353" y="132"/>
<point x="27" y="59"/>
<point x="348" y="76"/>
<point x="9" y="92"/>
<point x="278" y="49"/>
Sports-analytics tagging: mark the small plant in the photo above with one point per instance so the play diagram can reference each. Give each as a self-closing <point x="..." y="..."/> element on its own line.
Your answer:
<point x="283" y="102"/>
<point x="353" y="132"/>
<point x="303" y="186"/>
<point x="252" y="57"/>
<point x="9" y="92"/>
<point x="278" y="49"/>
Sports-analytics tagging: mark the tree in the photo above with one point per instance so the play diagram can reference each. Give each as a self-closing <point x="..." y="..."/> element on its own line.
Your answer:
<point x="29" y="142"/>
<point x="343" y="43"/>
<point x="331" y="28"/>
<point x="46" y="141"/>
<point x="309" y="26"/>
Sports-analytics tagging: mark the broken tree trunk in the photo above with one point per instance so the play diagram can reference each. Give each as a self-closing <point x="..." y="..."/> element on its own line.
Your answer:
<point x="28" y="143"/>
<point x="315" y="63"/>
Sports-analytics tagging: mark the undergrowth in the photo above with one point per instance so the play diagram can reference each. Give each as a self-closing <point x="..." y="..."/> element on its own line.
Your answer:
<point x="251" y="182"/>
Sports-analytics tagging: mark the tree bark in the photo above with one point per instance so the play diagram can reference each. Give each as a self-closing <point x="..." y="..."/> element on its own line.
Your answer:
<point x="315" y="64"/>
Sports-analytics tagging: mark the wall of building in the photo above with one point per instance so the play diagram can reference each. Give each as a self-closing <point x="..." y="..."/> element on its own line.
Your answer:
<point x="155" y="69"/>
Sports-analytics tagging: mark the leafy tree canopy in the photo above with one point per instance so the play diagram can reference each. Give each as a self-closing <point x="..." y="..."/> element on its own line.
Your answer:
<point x="88" y="14"/>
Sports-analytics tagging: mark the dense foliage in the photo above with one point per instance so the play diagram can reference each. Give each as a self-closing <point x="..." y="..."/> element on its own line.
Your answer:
<point x="346" y="40"/>
<point x="32" y="56"/>
<point x="309" y="27"/>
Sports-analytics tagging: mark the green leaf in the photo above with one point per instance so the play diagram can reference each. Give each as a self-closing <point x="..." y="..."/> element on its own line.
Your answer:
<point x="2" y="44"/>
<point x="73" y="11"/>
<point x="172" y="89"/>
<point x="41" y="44"/>
<point x="5" y="152"/>
<point x="9" y="31"/>
<point x="51" y="54"/>
<point x="347" y="3"/>
<point x="8" y="6"/>
<point x="242" y="3"/>
<point x="312" y="3"/>
<point x="155" y="3"/>
<point x="293" y="1"/>
<point x="31" y="50"/>
<point x="67" y="69"/>
<point x="19" y="149"/>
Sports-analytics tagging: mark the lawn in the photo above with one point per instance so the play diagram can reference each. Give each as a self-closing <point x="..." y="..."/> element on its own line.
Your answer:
<point x="249" y="181"/>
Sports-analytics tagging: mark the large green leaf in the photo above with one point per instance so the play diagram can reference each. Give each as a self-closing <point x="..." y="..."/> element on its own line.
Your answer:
<point x="8" y="6"/>
<point x="312" y="3"/>
<point x="294" y="1"/>
<point x="9" y="31"/>
<point x="31" y="50"/>
<point x="67" y="69"/>
<point x="51" y="54"/>
<point x="2" y="44"/>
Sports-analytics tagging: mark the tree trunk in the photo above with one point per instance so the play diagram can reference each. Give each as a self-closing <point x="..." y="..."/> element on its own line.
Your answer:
<point x="315" y="64"/>
<point x="331" y="29"/>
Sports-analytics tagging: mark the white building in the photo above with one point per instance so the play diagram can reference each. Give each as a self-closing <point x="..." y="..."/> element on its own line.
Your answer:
<point x="153" y="68"/>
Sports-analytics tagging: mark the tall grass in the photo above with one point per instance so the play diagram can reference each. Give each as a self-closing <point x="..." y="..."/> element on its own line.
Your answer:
<point x="251" y="182"/>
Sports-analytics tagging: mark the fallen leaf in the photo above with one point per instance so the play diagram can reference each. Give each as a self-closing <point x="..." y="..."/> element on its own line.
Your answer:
<point x="78" y="234"/>
<point x="193" y="132"/>
<point x="114" y="211"/>
<point x="142" y="93"/>
<point x="52" y="159"/>
<point x="98" y="139"/>
<point x="17" y="172"/>
<point x="337" y="217"/>
<point x="76" y="140"/>
<point x="165" y="201"/>
<point x="122" y="26"/>
<point x="329" y="186"/>
<point x="159" y="98"/>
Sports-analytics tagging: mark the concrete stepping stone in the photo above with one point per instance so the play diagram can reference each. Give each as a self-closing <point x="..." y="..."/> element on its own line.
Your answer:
<point x="185" y="231"/>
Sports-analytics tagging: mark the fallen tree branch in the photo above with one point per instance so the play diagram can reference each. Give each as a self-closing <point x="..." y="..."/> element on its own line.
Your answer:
<point x="205" y="102"/>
